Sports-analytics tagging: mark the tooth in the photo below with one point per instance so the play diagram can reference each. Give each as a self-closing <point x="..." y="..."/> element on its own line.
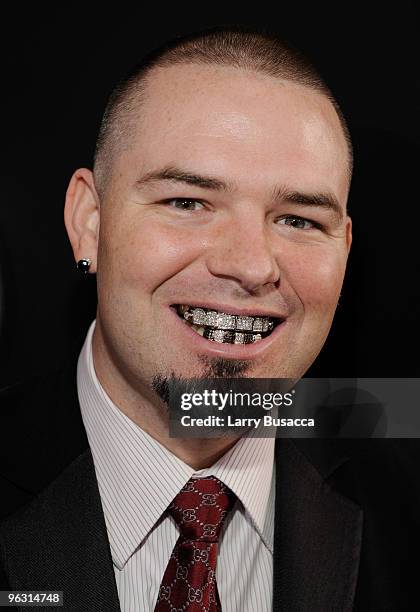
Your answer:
<point x="239" y="338"/>
<point x="257" y="337"/>
<point x="244" y="323"/>
<point x="199" y="329"/>
<point x="218" y="335"/>
<point x="249" y="338"/>
<point x="258" y="324"/>
<point x="208" y="333"/>
<point x="226" y="321"/>
<point x="266" y="325"/>
<point x="199" y="316"/>
<point x="212" y="318"/>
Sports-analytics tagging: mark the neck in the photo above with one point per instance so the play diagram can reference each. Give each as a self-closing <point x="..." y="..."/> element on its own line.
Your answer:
<point x="147" y="411"/>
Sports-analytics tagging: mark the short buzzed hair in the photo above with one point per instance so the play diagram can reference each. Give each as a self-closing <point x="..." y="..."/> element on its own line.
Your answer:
<point x="234" y="46"/>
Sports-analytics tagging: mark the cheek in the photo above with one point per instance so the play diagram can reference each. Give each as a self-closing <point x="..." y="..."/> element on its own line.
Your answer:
<point x="147" y="254"/>
<point x="316" y="275"/>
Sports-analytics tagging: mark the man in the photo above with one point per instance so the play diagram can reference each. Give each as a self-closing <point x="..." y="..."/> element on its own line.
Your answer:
<point x="220" y="183"/>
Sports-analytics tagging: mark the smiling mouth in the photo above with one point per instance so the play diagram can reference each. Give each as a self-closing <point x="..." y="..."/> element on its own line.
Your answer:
<point x="227" y="328"/>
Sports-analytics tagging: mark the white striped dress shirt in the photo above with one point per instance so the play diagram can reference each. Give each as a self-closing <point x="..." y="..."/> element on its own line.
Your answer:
<point x="138" y="478"/>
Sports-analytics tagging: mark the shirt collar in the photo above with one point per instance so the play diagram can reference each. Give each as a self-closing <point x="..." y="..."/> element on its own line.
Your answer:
<point x="247" y="469"/>
<point x="138" y="477"/>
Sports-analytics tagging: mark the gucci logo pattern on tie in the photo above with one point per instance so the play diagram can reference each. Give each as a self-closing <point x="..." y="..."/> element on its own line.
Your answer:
<point x="165" y="592"/>
<point x="182" y="572"/>
<point x="189" y="583"/>
<point x="209" y="499"/>
<point x="189" y="486"/>
<point x="195" y="595"/>
<point x="209" y="530"/>
<point x="201" y="555"/>
<point x="189" y="515"/>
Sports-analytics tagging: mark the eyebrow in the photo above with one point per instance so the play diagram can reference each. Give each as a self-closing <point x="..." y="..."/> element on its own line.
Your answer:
<point x="170" y="173"/>
<point x="326" y="201"/>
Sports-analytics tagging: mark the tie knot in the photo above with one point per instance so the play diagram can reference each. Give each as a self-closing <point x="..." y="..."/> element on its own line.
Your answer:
<point x="200" y="508"/>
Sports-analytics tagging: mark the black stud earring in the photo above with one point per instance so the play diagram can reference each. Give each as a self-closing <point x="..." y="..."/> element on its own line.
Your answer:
<point x="83" y="265"/>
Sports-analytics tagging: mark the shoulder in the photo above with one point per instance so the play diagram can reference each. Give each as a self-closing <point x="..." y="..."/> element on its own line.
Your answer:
<point x="379" y="475"/>
<point x="42" y="433"/>
<point x="386" y="463"/>
<point x="377" y="480"/>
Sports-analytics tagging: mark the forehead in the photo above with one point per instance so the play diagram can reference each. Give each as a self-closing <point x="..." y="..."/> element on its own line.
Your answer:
<point x="244" y="126"/>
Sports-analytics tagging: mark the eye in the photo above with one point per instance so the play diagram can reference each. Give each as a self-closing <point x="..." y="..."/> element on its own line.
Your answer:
<point x="298" y="222"/>
<point x="185" y="204"/>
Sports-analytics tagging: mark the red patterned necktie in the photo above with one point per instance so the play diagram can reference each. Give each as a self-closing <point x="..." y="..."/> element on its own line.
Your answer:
<point x="189" y="581"/>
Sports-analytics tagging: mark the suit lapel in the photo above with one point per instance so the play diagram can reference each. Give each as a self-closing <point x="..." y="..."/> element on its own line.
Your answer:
<point x="317" y="536"/>
<point x="59" y="541"/>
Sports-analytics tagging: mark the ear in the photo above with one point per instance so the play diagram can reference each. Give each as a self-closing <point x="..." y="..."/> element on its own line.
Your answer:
<point x="82" y="215"/>
<point x="349" y="235"/>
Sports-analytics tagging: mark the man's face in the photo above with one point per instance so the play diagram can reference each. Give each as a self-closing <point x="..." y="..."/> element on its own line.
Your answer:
<point x="241" y="239"/>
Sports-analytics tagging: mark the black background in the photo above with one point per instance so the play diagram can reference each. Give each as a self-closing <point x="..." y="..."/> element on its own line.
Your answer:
<point x="58" y="67"/>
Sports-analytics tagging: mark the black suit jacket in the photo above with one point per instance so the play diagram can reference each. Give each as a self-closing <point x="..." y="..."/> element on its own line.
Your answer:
<point x="346" y="523"/>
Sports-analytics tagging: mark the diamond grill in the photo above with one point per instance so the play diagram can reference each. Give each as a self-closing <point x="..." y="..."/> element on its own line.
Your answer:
<point x="227" y="328"/>
<point x="221" y="320"/>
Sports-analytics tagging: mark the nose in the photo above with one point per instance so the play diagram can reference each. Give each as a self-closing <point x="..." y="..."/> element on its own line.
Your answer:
<point x="242" y="250"/>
